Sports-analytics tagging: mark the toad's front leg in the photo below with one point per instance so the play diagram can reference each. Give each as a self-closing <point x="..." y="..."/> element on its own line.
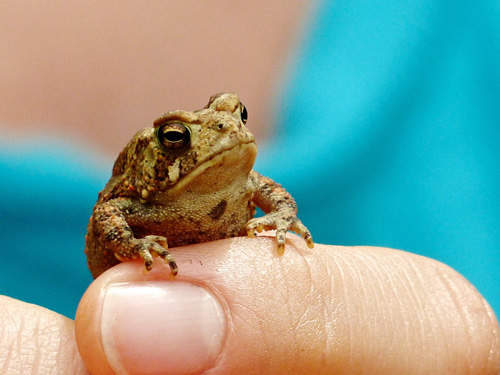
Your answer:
<point x="280" y="209"/>
<point x="110" y="236"/>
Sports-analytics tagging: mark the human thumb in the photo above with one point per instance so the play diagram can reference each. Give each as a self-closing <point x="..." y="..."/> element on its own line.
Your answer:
<point x="236" y="307"/>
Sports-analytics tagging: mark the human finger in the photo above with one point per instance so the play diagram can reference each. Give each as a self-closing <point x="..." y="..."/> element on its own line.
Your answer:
<point x="34" y="340"/>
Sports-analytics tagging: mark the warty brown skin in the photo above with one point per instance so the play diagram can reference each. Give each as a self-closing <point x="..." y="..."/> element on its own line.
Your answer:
<point x="188" y="179"/>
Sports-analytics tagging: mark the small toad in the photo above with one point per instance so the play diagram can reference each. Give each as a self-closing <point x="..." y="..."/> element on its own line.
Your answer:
<point x="188" y="179"/>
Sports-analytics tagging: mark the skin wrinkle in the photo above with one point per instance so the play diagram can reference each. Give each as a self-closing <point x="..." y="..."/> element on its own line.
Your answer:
<point x="387" y="270"/>
<point x="416" y="303"/>
<point x="295" y="329"/>
<point x="27" y="333"/>
<point x="453" y="293"/>
<point x="333" y="327"/>
<point x="283" y="289"/>
<point x="308" y="324"/>
<point x="37" y="345"/>
<point x="458" y="331"/>
<point x="493" y="352"/>
<point x="36" y="341"/>
<point x="365" y="292"/>
<point x="237" y="314"/>
<point x="259" y="319"/>
<point x="360" y="322"/>
<point x="369" y="291"/>
<point x="59" y="358"/>
<point x="18" y="340"/>
<point x="354" y="313"/>
<point x="327" y="326"/>
<point x="434" y="316"/>
<point x="398" y="271"/>
<point x="47" y="340"/>
<point x="20" y="354"/>
<point x="382" y="301"/>
<point x="379" y="360"/>
<point x="65" y="343"/>
<point x="318" y="333"/>
<point x="324" y="300"/>
<point x="290" y="294"/>
<point x="414" y="335"/>
<point x="237" y="321"/>
<point x="345" y="296"/>
<point x="9" y="347"/>
<point x="6" y="365"/>
<point x="425" y="314"/>
<point x="286" y="296"/>
<point x="45" y="333"/>
<point x="239" y="311"/>
<point x="313" y="331"/>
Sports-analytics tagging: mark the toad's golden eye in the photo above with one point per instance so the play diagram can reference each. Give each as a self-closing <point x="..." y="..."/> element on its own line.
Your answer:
<point x="173" y="136"/>
<point x="244" y="113"/>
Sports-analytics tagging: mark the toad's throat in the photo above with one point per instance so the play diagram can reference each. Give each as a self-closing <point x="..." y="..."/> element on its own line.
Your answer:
<point x="235" y="161"/>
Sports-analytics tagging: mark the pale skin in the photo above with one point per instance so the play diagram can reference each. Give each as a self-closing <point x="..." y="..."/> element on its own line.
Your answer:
<point x="378" y="307"/>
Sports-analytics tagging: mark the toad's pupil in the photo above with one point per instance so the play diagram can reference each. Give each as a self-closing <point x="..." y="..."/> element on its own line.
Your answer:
<point x="174" y="135"/>
<point x="244" y="114"/>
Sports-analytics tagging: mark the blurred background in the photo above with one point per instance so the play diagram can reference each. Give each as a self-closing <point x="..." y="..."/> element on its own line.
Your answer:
<point x="381" y="119"/>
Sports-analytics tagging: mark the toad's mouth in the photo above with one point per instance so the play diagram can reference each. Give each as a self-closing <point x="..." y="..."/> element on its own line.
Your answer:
<point x="221" y="167"/>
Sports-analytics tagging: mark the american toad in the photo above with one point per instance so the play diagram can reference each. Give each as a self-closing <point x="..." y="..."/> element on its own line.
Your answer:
<point x="188" y="179"/>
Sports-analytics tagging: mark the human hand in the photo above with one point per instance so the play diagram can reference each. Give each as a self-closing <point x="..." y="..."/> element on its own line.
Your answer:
<point x="327" y="310"/>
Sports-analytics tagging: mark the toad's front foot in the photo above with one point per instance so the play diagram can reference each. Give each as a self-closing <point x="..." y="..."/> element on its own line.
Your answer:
<point x="154" y="245"/>
<point x="282" y="223"/>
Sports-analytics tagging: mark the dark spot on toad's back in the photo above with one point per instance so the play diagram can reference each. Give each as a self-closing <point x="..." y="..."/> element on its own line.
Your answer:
<point x="218" y="210"/>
